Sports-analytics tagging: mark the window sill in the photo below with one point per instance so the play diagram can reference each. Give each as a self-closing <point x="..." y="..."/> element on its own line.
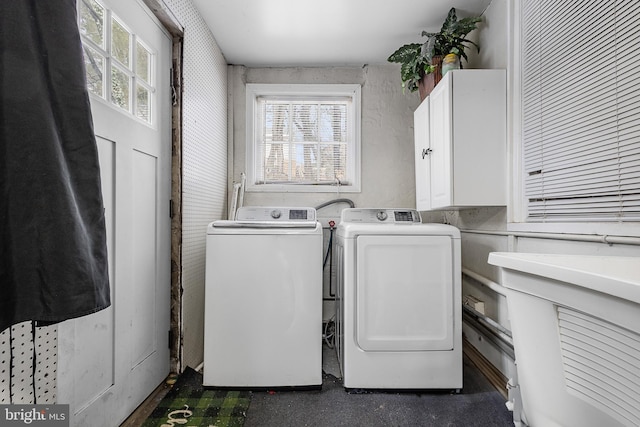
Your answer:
<point x="275" y="188"/>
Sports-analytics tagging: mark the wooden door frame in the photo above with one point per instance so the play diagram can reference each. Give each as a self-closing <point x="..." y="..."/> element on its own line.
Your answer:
<point x="175" y="28"/>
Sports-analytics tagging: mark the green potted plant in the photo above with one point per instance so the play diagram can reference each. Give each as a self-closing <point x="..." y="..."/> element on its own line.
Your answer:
<point x="421" y="60"/>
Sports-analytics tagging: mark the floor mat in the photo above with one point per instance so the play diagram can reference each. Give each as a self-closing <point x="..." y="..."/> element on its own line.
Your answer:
<point x="189" y="402"/>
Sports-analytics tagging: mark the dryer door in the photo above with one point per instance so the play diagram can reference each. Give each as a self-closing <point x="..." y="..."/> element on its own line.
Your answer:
<point x="404" y="293"/>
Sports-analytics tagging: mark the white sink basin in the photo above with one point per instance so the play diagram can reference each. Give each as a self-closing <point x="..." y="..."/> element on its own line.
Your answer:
<point x="617" y="276"/>
<point x="575" y="321"/>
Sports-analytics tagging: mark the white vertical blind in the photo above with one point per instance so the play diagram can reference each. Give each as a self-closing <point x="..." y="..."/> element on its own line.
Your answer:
<point x="581" y="109"/>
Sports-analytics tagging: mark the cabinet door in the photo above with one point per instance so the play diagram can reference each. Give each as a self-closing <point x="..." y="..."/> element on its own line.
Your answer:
<point x="440" y="137"/>
<point x="422" y="150"/>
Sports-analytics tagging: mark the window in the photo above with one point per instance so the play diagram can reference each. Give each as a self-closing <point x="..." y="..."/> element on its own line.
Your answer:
<point x="303" y="138"/>
<point x="580" y="116"/>
<point x="119" y="66"/>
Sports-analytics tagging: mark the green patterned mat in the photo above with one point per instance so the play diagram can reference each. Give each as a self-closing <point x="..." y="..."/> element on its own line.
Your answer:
<point x="188" y="402"/>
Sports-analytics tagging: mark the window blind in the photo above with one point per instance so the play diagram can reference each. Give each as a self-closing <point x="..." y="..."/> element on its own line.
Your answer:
<point x="581" y="109"/>
<point x="303" y="141"/>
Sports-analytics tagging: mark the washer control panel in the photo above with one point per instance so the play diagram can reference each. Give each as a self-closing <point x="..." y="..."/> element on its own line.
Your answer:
<point x="381" y="216"/>
<point x="269" y="213"/>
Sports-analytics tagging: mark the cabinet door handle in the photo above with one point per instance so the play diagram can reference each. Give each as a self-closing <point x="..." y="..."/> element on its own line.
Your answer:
<point x="426" y="152"/>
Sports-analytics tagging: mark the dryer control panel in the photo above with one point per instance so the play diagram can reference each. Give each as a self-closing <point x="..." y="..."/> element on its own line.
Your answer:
<point x="275" y="213"/>
<point x="381" y="216"/>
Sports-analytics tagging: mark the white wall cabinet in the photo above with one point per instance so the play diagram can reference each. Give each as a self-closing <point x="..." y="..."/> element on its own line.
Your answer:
<point x="460" y="142"/>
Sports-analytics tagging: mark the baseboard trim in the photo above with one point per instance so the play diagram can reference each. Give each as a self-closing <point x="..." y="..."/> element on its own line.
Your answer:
<point x="493" y="375"/>
<point x="142" y="412"/>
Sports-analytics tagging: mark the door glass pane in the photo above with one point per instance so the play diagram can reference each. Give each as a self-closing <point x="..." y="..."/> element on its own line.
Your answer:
<point x="120" y="43"/>
<point x="143" y="62"/>
<point x="142" y="104"/>
<point x="94" y="66"/>
<point x="92" y="21"/>
<point x="118" y="64"/>
<point x="120" y="88"/>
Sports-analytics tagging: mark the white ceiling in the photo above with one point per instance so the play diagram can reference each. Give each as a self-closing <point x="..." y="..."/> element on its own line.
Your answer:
<point x="327" y="32"/>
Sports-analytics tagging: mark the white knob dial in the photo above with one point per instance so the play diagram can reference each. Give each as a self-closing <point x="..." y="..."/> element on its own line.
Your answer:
<point x="381" y="215"/>
<point x="275" y="214"/>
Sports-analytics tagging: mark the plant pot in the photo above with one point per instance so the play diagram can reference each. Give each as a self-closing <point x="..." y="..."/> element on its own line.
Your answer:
<point x="429" y="81"/>
<point x="450" y="62"/>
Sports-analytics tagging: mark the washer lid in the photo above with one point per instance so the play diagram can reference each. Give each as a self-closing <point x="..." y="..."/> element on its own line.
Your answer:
<point x="263" y="224"/>
<point x="268" y="218"/>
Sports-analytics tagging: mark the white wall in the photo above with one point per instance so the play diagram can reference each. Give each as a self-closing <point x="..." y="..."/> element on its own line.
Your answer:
<point x="387" y="133"/>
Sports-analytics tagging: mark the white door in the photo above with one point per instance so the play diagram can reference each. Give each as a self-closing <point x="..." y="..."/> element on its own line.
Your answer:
<point x="110" y="361"/>
<point x="404" y="293"/>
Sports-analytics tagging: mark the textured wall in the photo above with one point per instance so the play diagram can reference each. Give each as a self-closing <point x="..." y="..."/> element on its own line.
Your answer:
<point x="204" y="159"/>
<point x="387" y="133"/>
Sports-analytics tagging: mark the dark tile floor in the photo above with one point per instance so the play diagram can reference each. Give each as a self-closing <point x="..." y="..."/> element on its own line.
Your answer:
<point x="479" y="404"/>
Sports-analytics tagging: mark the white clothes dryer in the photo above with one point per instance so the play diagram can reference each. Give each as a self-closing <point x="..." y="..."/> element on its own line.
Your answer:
<point x="263" y="299"/>
<point x="399" y="307"/>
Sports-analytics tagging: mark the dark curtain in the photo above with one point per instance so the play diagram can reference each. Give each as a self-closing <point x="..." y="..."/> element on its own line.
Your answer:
<point x="53" y="256"/>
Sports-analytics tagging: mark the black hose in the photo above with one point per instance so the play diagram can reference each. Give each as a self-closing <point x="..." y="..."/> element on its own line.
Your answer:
<point x="329" y="245"/>
<point x="329" y="257"/>
<point x="329" y="254"/>
<point x="331" y="202"/>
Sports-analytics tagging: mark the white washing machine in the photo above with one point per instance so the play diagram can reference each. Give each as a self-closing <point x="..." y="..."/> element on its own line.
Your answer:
<point x="263" y="299"/>
<point x="399" y="301"/>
